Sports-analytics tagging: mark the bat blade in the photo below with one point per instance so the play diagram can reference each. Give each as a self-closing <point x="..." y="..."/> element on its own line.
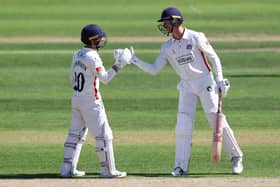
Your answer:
<point x="218" y="133"/>
<point x="217" y="139"/>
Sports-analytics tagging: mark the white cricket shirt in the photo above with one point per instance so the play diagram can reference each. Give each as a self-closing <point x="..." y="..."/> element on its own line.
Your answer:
<point x="188" y="56"/>
<point x="86" y="71"/>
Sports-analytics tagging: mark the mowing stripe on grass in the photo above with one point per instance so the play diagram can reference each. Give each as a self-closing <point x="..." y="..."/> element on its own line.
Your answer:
<point x="139" y="39"/>
<point x="200" y="137"/>
<point x="147" y="51"/>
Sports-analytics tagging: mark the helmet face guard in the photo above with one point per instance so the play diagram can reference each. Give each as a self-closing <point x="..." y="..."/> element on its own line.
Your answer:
<point x="102" y="42"/>
<point x="173" y="21"/>
<point x="162" y="29"/>
<point x="99" y="42"/>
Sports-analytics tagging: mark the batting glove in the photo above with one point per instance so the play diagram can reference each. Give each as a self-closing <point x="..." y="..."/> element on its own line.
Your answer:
<point x="117" y="53"/>
<point x="134" y="59"/>
<point x="224" y="86"/>
<point x="122" y="58"/>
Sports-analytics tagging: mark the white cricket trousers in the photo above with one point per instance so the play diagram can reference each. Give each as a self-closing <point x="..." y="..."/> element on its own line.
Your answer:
<point x="86" y="113"/>
<point x="205" y="89"/>
<point x="89" y="116"/>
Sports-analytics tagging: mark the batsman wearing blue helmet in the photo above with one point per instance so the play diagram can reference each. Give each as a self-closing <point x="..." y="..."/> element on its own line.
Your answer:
<point x="187" y="52"/>
<point x="88" y="112"/>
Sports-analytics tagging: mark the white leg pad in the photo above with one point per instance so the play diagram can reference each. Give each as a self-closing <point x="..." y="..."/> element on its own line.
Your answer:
<point x="73" y="147"/>
<point x="105" y="152"/>
<point x="230" y="144"/>
<point x="184" y="130"/>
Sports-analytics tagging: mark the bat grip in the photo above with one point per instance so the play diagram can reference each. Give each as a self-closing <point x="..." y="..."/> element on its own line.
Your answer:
<point x="219" y="101"/>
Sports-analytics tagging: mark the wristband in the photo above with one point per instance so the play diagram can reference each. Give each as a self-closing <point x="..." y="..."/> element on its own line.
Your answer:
<point x="115" y="67"/>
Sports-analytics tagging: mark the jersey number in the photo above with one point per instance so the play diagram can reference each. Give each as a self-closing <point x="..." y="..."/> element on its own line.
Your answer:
<point x="79" y="82"/>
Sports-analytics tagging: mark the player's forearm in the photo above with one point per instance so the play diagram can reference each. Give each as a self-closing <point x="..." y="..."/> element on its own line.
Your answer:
<point x="147" y="67"/>
<point x="106" y="76"/>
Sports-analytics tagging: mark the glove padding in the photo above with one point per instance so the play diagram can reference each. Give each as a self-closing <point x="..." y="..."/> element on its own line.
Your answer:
<point x="224" y="86"/>
<point x="118" y="64"/>
<point x="133" y="59"/>
<point x="117" y="53"/>
<point x="122" y="57"/>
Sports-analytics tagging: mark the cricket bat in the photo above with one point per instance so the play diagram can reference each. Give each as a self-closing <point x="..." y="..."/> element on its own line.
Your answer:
<point x="218" y="133"/>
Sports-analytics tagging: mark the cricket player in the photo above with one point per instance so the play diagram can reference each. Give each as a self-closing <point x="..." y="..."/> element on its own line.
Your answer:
<point x="187" y="52"/>
<point x="88" y="112"/>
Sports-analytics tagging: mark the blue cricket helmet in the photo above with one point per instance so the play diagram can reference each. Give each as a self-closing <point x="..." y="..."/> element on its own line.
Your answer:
<point x="91" y="33"/>
<point x="172" y="14"/>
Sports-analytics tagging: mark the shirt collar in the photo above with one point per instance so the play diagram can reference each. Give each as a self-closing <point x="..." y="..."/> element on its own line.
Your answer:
<point x="184" y="37"/>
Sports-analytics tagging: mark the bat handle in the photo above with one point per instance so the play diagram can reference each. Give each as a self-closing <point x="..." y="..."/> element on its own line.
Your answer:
<point x="219" y="101"/>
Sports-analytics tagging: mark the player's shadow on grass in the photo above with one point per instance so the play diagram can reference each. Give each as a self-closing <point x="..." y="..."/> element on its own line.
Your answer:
<point x="46" y="176"/>
<point x="96" y="175"/>
<point x="196" y="175"/>
<point x="30" y="176"/>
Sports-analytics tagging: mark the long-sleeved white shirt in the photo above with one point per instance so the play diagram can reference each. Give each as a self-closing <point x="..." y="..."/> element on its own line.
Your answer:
<point x="188" y="56"/>
<point x="86" y="71"/>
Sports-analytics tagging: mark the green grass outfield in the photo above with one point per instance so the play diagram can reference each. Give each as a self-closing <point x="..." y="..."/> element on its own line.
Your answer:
<point x="35" y="91"/>
<point x="135" y="17"/>
<point x="35" y="114"/>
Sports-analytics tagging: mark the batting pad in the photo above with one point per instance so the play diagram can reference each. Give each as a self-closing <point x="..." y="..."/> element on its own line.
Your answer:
<point x="105" y="152"/>
<point x="230" y="144"/>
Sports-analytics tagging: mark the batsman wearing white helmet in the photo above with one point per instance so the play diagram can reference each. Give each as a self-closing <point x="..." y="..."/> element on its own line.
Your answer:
<point x="88" y="113"/>
<point x="187" y="52"/>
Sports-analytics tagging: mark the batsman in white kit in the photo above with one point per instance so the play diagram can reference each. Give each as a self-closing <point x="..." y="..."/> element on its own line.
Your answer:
<point x="187" y="52"/>
<point x="88" y="113"/>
